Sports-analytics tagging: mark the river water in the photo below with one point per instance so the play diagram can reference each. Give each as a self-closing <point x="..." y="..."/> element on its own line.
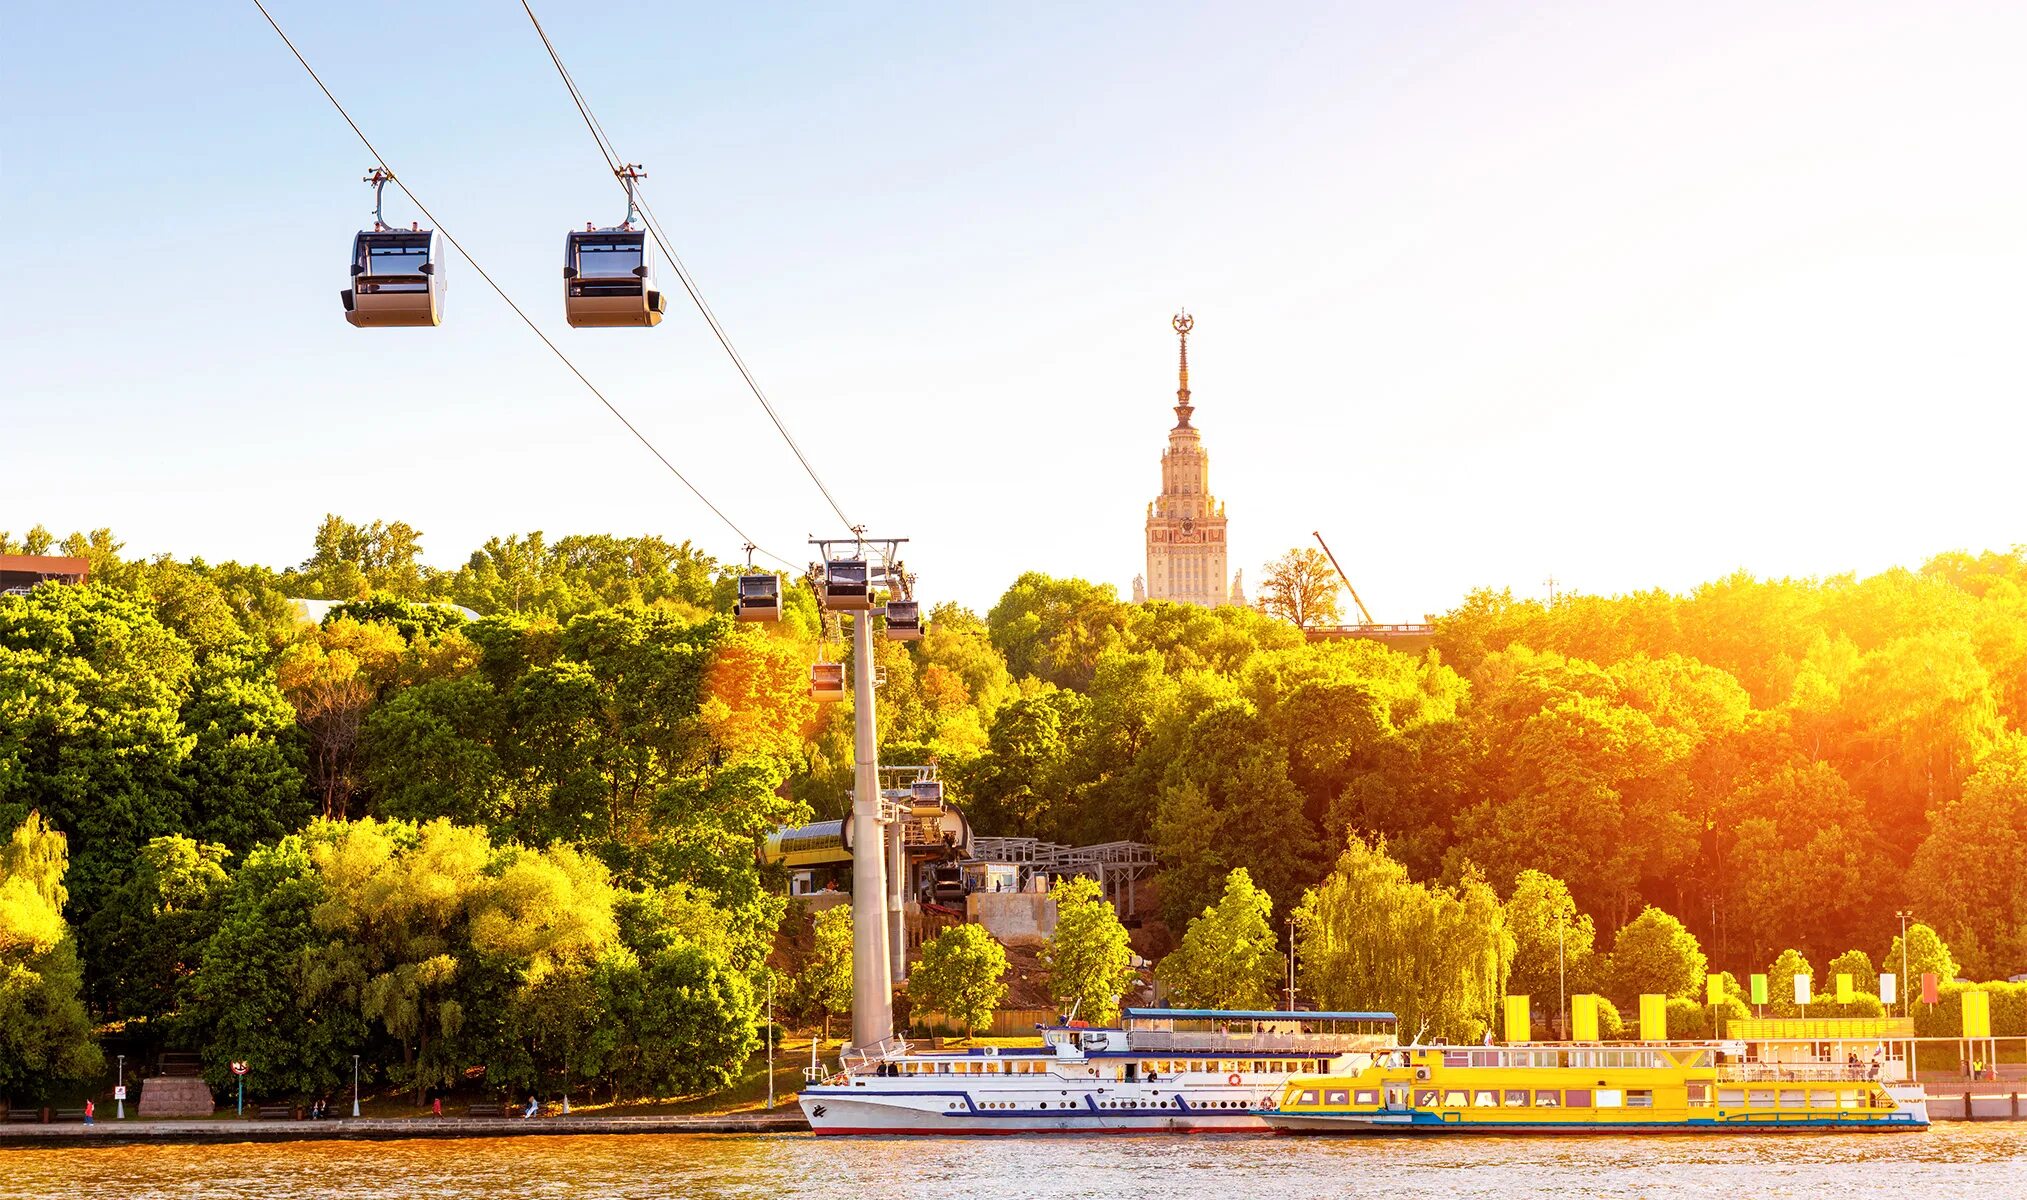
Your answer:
<point x="1953" y="1159"/>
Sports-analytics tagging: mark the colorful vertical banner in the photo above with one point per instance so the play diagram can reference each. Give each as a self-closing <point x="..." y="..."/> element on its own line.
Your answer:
<point x="1713" y="989"/>
<point x="1889" y="989"/>
<point x="1518" y="1026"/>
<point x="1759" y="989"/>
<point x="1802" y="983"/>
<point x="1845" y="992"/>
<point x="1931" y="988"/>
<point x="1653" y="1018"/>
<point x="1977" y="1014"/>
<point x="1584" y="1018"/>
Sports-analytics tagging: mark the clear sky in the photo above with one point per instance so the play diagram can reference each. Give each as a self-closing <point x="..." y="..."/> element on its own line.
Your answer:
<point x="1630" y="294"/>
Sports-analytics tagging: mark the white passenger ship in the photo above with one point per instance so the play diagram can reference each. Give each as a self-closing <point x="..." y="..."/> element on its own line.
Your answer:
<point x="1161" y="1070"/>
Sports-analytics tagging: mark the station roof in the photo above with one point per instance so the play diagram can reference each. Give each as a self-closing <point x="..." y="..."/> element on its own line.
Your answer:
<point x="1249" y="1014"/>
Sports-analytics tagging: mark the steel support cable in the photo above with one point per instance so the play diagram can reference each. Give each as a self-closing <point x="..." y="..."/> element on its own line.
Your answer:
<point x="654" y="226"/>
<point x="502" y="293"/>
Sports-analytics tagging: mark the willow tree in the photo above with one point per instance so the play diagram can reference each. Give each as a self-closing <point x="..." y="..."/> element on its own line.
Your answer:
<point x="1372" y="938"/>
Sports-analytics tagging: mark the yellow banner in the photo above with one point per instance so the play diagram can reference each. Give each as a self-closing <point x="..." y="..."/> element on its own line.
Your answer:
<point x="1845" y="992"/>
<point x="1584" y="1018"/>
<point x="1518" y="1026"/>
<point x="1713" y="989"/>
<point x="1653" y="1018"/>
<point x="1977" y="1014"/>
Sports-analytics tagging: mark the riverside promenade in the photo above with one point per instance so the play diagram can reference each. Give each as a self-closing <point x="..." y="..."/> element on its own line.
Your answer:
<point x="114" y="1132"/>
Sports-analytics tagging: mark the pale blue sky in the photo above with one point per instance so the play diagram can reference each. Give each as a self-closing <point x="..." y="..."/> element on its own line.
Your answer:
<point x="1633" y="294"/>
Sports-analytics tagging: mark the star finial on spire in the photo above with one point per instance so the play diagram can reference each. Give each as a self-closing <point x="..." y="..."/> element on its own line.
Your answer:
<point x="1182" y="324"/>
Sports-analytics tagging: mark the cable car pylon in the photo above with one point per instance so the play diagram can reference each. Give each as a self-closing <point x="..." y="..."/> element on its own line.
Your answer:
<point x="845" y="577"/>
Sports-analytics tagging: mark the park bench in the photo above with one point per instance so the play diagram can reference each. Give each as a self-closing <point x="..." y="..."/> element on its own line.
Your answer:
<point x="24" y="1116"/>
<point x="490" y="1108"/>
<point x="67" y="1114"/>
<point x="275" y="1112"/>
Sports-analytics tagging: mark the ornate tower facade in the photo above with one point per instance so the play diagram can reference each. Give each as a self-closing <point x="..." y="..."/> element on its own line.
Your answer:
<point x="1186" y="524"/>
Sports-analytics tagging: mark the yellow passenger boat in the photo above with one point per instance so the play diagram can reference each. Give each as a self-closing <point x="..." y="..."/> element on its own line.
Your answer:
<point x="1689" y="1087"/>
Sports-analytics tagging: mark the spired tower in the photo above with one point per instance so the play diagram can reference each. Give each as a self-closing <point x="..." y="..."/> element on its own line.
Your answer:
<point x="1185" y="524"/>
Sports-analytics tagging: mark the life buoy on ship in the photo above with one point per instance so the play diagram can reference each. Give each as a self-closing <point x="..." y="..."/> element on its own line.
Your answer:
<point x="1267" y="1104"/>
<point x="1233" y="1079"/>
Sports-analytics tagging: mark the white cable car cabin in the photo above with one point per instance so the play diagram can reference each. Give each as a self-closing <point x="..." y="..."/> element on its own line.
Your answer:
<point x="397" y="274"/>
<point x="759" y="597"/>
<point x="827" y="682"/>
<point x="608" y="280"/>
<point x="926" y="792"/>
<point x="904" y="621"/>
<point x="845" y="586"/>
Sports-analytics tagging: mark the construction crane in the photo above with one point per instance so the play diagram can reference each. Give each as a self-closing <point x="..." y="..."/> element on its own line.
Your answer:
<point x="1362" y="610"/>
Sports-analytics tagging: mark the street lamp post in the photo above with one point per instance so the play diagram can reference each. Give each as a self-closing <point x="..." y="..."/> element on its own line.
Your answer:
<point x="1561" y="982"/>
<point x="120" y="1091"/>
<point x="1291" y="964"/>
<point x="770" y="1039"/>
<point x="355" y="1085"/>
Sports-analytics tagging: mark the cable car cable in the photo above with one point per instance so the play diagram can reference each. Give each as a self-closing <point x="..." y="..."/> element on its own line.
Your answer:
<point x="502" y="293"/>
<point x="614" y="161"/>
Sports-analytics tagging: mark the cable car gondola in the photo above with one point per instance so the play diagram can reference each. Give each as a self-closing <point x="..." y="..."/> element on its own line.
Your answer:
<point x="827" y="682"/>
<point x="904" y="621"/>
<point x="608" y="274"/>
<point x="397" y="274"/>
<point x="845" y="585"/>
<point x="759" y="597"/>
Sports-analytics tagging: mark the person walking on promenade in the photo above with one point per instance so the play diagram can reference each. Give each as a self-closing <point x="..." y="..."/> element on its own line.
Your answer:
<point x="89" y="1110"/>
<point x="436" y="1107"/>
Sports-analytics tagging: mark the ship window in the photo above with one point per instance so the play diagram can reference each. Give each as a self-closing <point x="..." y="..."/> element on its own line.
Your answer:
<point x="1516" y="1098"/>
<point x="1731" y="1095"/>
<point x="1456" y="1058"/>
<point x="1848" y="1098"/>
<point x="1367" y="1096"/>
<point x="1823" y="1099"/>
<point x="1610" y="1098"/>
<point x="1794" y="1098"/>
<point x="1337" y="1097"/>
<point x="1486" y="1099"/>
<point x="1548" y="1099"/>
<point x="1456" y="1099"/>
<point x="1699" y="1093"/>
<point x="1640" y="1098"/>
<point x="1425" y="1097"/>
<point x="1576" y="1098"/>
<point x="1762" y="1097"/>
<point x="1259" y="1067"/>
<point x="1307" y="1098"/>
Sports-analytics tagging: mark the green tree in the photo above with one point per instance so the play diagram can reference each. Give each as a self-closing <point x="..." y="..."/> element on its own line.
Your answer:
<point x="1227" y="957"/>
<point x="1090" y="963"/>
<point x="961" y="975"/>
<point x="1554" y="945"/>
<point x="1781" y="977"/>
<point x="1372" y="938"/>
<point x="1055" y="629"/>
<point x="45" y="1036"/>
<point x="821" y="986"/>
<point x="1301" y="587"/>
<point x="1858" y="966"/>
<point x="1653" y="955"/>
<point x="150" y="933"/>
<point x="1927" y="953"/>
<point x="1959" y="879"/>
<point x="258" y="992"/>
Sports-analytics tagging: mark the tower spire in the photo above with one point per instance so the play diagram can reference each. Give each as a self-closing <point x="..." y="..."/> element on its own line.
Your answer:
<point x="1182" y="324"/>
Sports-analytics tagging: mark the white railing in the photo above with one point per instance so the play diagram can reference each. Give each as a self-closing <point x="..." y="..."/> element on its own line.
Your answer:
<point x="1205" y="1044"/>
<point x="1796" y="1073"/>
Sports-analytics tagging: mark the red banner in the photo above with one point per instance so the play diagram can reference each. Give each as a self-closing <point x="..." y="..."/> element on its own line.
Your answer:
<point x="1929" y="991"/>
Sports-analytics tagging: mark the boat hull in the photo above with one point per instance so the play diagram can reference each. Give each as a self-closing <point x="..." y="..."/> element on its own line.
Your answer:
<point x="1380" y="1124"/>
<point x="834" y="1111"/>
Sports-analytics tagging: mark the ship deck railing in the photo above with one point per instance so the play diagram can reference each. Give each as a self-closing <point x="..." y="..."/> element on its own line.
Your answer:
<point x="1241" y="1045"/>
<point x="1796" y="1073"/>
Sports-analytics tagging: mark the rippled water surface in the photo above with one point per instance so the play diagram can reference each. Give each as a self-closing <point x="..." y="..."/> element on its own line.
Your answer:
<point x="1975" y="1160"/>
